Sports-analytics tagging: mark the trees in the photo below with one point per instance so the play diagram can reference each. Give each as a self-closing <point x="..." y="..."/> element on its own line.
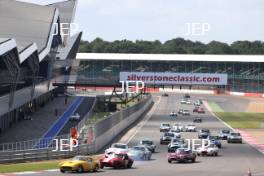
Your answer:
<point x="173" y="46"/>
<point x="246" y="47"/>
<point x="215" y="47"/>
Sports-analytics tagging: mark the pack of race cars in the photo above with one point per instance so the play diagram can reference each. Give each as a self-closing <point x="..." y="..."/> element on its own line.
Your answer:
<point x="179" y="148"/>
<point x="122" y="156"/>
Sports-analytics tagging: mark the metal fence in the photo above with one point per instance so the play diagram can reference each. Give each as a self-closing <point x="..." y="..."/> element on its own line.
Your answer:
<point x="82" y="123"/>
<point x="43" y="154"/>
<point x="89" y="140"/>
<point x="29" y="144"/>
<point x="49" y="141"/>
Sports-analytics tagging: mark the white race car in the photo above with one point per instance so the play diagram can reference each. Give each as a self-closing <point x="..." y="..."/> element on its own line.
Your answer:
<point x="188" y="102"/>
<point x="75" y="117"/>
<point x="186" y="112"/>
<point x="211" y="150"/>
<point x="183" y="101"/>
<point x="176" y="132"/>
<point x="165" y="127"/>
<point x="173" y="114"/>
<point x="190" y="128"/>
<point x="117" y="147"/>
<point x="175" y="144"/>
<point x="178" y="126"/>
<point x="197" y="103"/>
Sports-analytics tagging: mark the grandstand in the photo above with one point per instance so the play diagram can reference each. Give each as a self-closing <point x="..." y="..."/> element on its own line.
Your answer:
<point x="245" y="72"/>
<point x="33" y="53"/>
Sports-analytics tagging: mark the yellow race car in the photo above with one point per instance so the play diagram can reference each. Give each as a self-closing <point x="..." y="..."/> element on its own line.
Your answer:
<point x="80" y="164"/>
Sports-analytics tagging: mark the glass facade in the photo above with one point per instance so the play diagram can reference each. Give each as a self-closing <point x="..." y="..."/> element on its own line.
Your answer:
<point x="242" y="76"/>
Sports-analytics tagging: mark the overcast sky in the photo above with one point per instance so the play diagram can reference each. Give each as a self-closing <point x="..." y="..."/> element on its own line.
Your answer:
<point x="225" y="20"/>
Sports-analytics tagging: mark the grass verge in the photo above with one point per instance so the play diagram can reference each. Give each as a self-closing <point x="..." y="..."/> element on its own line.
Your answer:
<point x="97" y="116"/>
<point x="24" y="167"/>
<point x="243" y="120"/>
<point x="215" y="107"/>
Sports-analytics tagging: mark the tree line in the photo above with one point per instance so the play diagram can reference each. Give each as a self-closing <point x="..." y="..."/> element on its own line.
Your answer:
<point x="174" y="46"/>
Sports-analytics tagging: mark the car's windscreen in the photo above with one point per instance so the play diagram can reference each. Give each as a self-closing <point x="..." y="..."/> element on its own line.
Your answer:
<point x="235" y="134"/>
<point x="169" y="134"/>
<point x="225" y="131"/>
<point x="213" y="137"/>
<point x="212" y="145"/>
<point x="79" y="158"/>
<point x="147" y="142"/>
<point x="121" y="146"/>
<point x="139" y="148"/>
<point x="175" y="130"/>
<point x="175" y="141"/>
<point x="183" y="151"/>
<point x="118" y="156"/>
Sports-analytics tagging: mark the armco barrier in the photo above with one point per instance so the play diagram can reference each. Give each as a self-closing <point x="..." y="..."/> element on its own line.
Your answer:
<point x="108" y="129"/>
<point x="119" y="122"/>
<point x="43" y="154"/>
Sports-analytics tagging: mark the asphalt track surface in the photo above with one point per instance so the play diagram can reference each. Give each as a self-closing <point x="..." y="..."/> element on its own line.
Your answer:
<point x="233" y="159"/>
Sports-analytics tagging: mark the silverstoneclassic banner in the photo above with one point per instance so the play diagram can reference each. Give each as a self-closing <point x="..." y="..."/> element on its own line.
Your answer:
<point x="175" y="78"/>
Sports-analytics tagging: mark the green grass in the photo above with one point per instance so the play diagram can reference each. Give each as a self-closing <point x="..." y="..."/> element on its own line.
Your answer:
<point x="215" y="107"/>
<point x="23" y="167"/>
<point x="97" y="116"/>
<point x="242" y="120"/>
<point x="131" y="103"/>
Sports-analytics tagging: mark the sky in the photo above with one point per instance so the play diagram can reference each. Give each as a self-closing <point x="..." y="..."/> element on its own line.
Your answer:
<point x="220" y="20"/>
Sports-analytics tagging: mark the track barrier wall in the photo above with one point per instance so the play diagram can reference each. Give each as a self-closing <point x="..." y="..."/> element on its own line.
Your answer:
<point x="106" y="130"/>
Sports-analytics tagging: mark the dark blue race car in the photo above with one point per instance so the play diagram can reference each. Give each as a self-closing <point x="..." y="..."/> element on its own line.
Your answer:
<point x="216" y="140"/>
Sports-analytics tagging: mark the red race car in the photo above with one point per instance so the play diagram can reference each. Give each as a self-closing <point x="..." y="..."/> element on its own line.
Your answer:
<point x="182" y="155"/>
<point x="116" y="160"/>
<point x="199" y="110"/>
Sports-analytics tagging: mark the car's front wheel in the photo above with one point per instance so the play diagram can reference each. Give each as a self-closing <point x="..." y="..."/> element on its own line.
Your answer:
<point x="80" y="169"/>
<point x="169" y="161"/>
<point x="96" y="168"/>
<point x="149" y="157"/>
<point x="62" y="171"/>
<point x="129" y="165"/>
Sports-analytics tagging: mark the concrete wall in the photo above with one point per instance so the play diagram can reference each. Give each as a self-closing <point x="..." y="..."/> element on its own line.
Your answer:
<point x="135" y="113"/>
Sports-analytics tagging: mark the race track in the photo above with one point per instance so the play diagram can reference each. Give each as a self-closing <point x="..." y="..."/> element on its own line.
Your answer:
<point x="233" y="159"/>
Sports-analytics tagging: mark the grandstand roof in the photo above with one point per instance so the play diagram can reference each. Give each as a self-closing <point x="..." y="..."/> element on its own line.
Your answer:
<point x="67" y="12"/>
<point x="6" y="44"/>
<point x="170" y="57"/>
<point x="31" y="26"/>
<point x="27" y="23"/>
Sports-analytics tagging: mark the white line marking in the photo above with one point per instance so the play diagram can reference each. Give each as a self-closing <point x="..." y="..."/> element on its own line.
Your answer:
<point x="143" y="123"/>
<point x="51" y="170"/>
<point x="25" y="173"/>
